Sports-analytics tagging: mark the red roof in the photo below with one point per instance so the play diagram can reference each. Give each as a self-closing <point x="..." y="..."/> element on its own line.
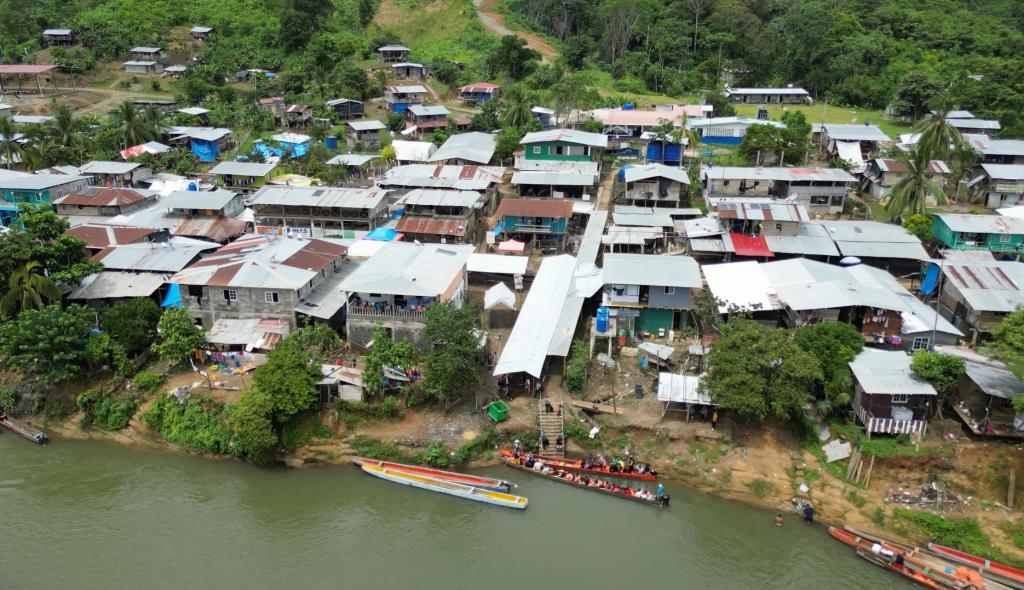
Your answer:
<point x="556" y="208"/>
<point x="745" y="245"/>
<point x="105" y="236"/>
<point x="95" y="196"/>
<point x="480" y="87"/>
<point x="433" y="226"/>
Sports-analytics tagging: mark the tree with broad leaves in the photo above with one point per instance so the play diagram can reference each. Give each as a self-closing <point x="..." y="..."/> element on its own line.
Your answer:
<point x="48" y="343"/>
<point x="834" y="344"/>
<point x="132" y="323"/>
<point x="453" y="363"/>
<point x="179" y="335"/>
<point x="28" y="288"/>
<point x="288" y="379"/>
<point x="385" y="352"/>
<point x="910" y="195"/>
<point x="943" y="371"/>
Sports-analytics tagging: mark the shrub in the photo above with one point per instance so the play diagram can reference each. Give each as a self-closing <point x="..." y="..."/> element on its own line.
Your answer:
<point x="479" y="445"/>
<point x="196" y="425"/>
<point x="147" y="381"/>
<point x="960" y="533"/>
<point x="294" y="435"/>
<point x="8" y="400"/>
<point x="856" y="499"/>
<point x="878" y="517"/>
<point x="104" y="412"/>
<point x="761" y="488"/>
<point x="370" y="448"/>
<point x="576" y="369"/>
<point x="322" y="431"/>
<point x="436" y="455"/>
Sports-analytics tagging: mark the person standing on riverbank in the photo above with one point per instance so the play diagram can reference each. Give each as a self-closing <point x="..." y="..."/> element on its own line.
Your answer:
<point x="808" y="514"/>
<point x="714" y="420"/>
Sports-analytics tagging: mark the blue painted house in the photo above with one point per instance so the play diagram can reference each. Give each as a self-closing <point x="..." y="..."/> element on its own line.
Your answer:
<point x="205" y="142"/>
<point x="994" y="233"/>
<point x="400" y="98"/>
<point x="726" y="130"/>
<point x="533" y="219"/>
<point x="479" y="92"/>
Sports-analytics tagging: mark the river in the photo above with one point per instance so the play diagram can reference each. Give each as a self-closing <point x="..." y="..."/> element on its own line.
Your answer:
<point x="97" y="515"/>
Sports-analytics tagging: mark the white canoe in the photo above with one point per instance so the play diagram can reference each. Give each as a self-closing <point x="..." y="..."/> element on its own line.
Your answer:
<point x="447" y="487"/>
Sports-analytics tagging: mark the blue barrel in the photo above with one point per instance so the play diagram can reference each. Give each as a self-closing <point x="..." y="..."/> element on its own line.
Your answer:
<point x="602" y="320"/>
<point x="193" y="187"/>
<point x="331" y="142"/>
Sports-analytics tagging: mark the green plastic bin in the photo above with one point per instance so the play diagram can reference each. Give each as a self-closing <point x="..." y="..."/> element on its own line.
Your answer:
<point x="498" y="411"/>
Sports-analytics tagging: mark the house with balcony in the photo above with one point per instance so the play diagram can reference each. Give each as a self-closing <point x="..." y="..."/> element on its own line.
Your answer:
<point x="996" y="151"/>
<point x="439" y="215"/>
<point x="298" y="115"/>
<point x="393" y="53"/>
<point x="649" y="295"/>
<point x="560" y="163"/>
<point x="889" y="398"/>
<point x="652" y="185"/>
<point x="245" y="177"/>
<point x="102" y="201"/>
<point x="881" y="174"/>
<point x="395" y="286"/>
<point x="995" y="233"/>
<point x="366" y="132"/>
<point x="819" y="190"/>
<point x="318" y="211"/>
<point x="479" y="92"/>
<point x="422" y="119"/>
<point x="1000" y="185"/>
<point x="345" y="108"/>
<point x="399" y="98"/>
<point x="115" y="174"/>
<point x="266" y="278"/>
<point x="787" y="95"/>
<point x="536" y="221"/>
<point x="482" y="179"/>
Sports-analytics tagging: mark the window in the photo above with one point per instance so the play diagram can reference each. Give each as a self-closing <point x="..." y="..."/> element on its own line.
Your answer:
<point x="230" y="295"/>
<point x="1004" y="238"/>
<point x="270" y="297"/>
<point x="837" y="200"/>
<point x="819" y="200"/>
<point x="778" y="227"/>
<point x="920" y="343"/>
<point x="670" y="290"/>
<point x="559" y="150"/>
<point x="900" y="398"/>
<point x="536" y="149"/>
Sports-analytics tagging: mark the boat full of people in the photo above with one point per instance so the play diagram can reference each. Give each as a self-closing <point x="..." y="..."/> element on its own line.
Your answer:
<point x="446" y="487"/>
<point x="527" y="463"/>
<point x="624" y="468"/>
<point x="487" y="483"/>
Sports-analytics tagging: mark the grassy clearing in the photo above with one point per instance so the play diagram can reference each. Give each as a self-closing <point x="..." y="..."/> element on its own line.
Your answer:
<point x="442" y="29"/>
<point x="819" y="113"/>
<point x="964" y="534"/>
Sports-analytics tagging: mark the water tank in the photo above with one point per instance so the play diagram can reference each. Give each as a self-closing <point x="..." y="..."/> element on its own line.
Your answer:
<point x="602" y="320"/>
<point x="193" y="187"/>
<point x="331" y="142"/>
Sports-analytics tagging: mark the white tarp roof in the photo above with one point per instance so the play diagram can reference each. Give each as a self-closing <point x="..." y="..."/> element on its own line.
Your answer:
<point x="683" y="389"/>
<point x="742" y="284"/>
<point x="498" y="264"/>
<point x="413" y="151"/>
<point x="499" y="294"/>
<point x="850" y="151"/>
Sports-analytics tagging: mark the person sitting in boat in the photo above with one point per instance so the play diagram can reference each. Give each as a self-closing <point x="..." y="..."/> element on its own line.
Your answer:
<point x="602" y="462"/>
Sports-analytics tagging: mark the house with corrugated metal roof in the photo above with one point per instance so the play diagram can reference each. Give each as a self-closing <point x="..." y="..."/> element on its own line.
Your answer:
<point x="466" y="148"/>
<point x="889" y="398"/>
<point x="853" y="143"/>
<point x="652" y="185"/>
<point x="319" y="211"/>
<point x="409" y="71"/>
<point x="266" y="277"/>
<point x="985" y="394"/>
<point x="559" y="163"/>
<point x="479" y="92"/>
<point x="401" y="97"/>
<point x="396" y="285"/>
<point x="366" y="132"/>
<point x="538" y="221"/>
<point x="995" y="233"/>
<point x="393" y="53"/>
<point x="59" y="37"/>
<point x="881" y="174"/>
<point x="246" y="177"/>
<point x="439" y="215"/>
<point x="345" y="108"/>
<point x="975" y="292"/>
<point x="98" y="200"/>
<point x="787" y="95"/>
<point x="1001" y="185"/>
<point x="649" y="294"/>
<point x="115" y="173"/>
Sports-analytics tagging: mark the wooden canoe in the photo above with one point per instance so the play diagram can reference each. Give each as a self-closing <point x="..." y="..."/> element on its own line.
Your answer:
<point x="487" y="483"/>
<point x="446" y="487"/>
<point x="576" y="465"/>
<point x="1003" y="573"/>
<point x="915" y="569"/>
<point x="605" y="491"/>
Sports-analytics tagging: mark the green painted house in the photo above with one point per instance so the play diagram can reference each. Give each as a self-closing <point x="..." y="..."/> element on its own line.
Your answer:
<point x="245" y="177"/>
<point x="994" y="233"/>
<point x="565" y="145"/>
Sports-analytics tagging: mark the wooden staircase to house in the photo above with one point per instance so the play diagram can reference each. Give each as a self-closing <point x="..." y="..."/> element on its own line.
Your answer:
<point x="553" y="426"/>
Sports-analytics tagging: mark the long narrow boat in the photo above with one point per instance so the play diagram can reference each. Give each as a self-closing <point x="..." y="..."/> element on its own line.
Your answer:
<point x="576" y="465"/>
<point x="487" y="483"/>
<point x="446" y="487"/>
<point x="1003" y="573"/>
<point x="915" y="569"/>
<point x="655" y="501"/>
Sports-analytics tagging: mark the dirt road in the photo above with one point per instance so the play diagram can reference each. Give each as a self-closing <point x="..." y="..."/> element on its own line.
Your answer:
<point x="494" y="21"/>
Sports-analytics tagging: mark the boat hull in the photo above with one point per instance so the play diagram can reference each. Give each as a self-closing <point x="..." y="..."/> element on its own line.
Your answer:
<point x="915" y="570"/>
<point x="574" y="466"/>
<point x="654" y="502"/>
<point x="1006" y="573"/>
<point x="447" y="487"/>
<point x="487" y="483"/>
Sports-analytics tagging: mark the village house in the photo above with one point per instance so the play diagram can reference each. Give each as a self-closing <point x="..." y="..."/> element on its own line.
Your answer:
<point x="995" y="233"/>
<point x="889" y="398"/>
<point x="409" y="71"/>
<point x="787" y="95"/>
<point x="115" y="174"/>
<point x="474" y="147"/>
<point x="163" y="257"/>
<point x="975" y="294"/>
<point x="997" y="151"/>
<point x="649" y="295"/>
<point x="146" y="53"/>
<point x="396" y="285"/>
<point x="318" y="211"/>
<point x="98" y="237"/>
<point x="726" y="130"/>
<point x="143" y="67"/>
<point x="204" y="204"/>
<point x="367" y="132"/>
<point x="1000" y="185"/>
<point x="265" y="278"/>
<point x="560" y="163"/>
<point x="206" y="143"/>
<point x="298" y="115"/>
<point x="199" y="113"/>
<point x="200" y="33"/>
<point x="438" y="215"/>
<point x="293" y="145"/>
<point x="175" y="71"/>
<point x="822" y="191"/>
<point x="652" y="185"/>
<point x="393" y="53"/>
<point x="345" y="108"/>
<point x="59" y="37"/>
<point x="885" y="245"/>
<point x="272" y="104"/>
<point x="985" y="394"/>
<point x="881" y="174"/>
<point x="630" y="123"/>
<point x="108" y="287"/>
<point x="483" y="179"/>
<point x="412" y="152"/>
<point x="421" y="119"/>
<point x="105" y="201"/>
<point x="246" y="177"/>
<point x="542" y="222"/>
<point x="853" y="143"/>
<point x="356" y="165"/>
<point x="35" y="189"/>
<point x="987" y="127"/>
<point x="629" y="222"/>
<point x="400" y="98"/>
<point x="479" y="92"/>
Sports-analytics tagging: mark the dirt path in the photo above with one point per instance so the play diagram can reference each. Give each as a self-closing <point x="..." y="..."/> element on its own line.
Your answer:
<point x="494" y="21"/>
<point x="607" y="186"/>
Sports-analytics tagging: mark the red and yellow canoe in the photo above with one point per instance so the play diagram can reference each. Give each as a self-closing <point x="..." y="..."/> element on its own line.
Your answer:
<point x="577" y="466"/>
<point x="487" y="483"/>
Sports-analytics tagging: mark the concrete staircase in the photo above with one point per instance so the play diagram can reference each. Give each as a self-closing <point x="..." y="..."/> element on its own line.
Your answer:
<point x="553" y="427"/>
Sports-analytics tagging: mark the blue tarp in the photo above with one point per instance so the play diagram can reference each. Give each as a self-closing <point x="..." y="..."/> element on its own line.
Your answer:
<point x="622" y="171"/>
<point x="207" y="151"/>
<point x="383" y="234"/>
<point x="931" y="279"/>
<point x="400" y="107"/>
<point x="672" y="153"/>
<point x="173" y="297"/>
<point x="397" y="213"/>
<point x="298" y="149"/>
<point x="267" y="151"/>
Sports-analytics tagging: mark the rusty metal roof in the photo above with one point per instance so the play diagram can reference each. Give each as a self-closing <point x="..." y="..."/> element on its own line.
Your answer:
<point x="556" y="208"/>
<point x="431" y="225"/>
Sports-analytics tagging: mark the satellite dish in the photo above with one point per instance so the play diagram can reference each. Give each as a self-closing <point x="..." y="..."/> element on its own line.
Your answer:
<point x="850" y="261"/>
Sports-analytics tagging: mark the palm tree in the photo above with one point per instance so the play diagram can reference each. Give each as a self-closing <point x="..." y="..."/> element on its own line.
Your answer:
<point x="133" y="129"/>
<point x="27" y="289"/>
<point x="518" y="112"/>
<point x="938" y="137"/>
<point x="11" y="149"/>
<point x="65" y="134"/>
<point x="689" y="134"/>
<point x="961" y="160"/>
<point x="910" y="194"/>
